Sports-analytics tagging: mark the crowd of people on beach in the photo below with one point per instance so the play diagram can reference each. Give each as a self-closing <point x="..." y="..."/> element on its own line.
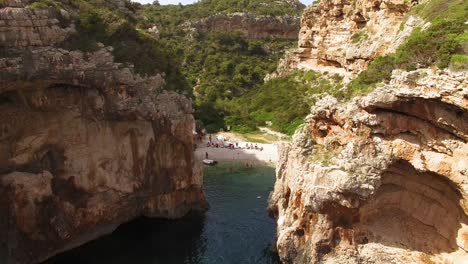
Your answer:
<point x="220" y="143"/>
<point x="233" y="146"/>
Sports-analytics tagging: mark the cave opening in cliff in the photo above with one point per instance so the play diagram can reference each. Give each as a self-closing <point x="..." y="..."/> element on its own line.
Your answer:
<point x="413" y="210"/>
<point x="8" y="98"/>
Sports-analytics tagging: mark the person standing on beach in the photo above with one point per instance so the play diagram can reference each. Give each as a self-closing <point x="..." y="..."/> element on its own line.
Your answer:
<point x="206" y="155"/>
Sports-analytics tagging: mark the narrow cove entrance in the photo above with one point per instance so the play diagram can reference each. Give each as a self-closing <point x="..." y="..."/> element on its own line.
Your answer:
<point x="236" y="229"/>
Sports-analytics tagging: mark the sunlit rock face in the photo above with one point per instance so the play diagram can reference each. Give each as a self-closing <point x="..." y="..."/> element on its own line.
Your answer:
<point x="85" y="144"/>
<point x="343" y="36"/>
<point x="380" y="179"/>
<point x="251" y="25"/>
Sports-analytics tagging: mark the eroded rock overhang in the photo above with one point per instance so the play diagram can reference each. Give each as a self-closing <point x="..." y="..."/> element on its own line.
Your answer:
<point x="381" y="178"/>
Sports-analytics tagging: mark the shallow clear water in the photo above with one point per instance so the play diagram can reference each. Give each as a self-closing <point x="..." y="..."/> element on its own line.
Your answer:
<point x="236" y="229"/>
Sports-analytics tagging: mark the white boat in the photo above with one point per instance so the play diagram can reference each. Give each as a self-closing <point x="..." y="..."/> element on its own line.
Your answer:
<point x="210" y="162"/>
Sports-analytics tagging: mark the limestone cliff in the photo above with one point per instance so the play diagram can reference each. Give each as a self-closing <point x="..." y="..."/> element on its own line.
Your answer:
<point x="383" y="177"/>
<point x="344" y="36"/>
<point x="251" y="25"/>
<point x="380" y="179"/>
<point x="85" y="144"/>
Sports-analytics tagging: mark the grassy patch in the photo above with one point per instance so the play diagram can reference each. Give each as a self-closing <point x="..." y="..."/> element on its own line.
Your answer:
<point x="311" y="76"/>
<point x="324" y="155"/>
<point x="258" y="137"/>
<point x="43" y="4"/>
<point x="433" y="9"/>
<point x="403" y="23"/>
<point x="359" y="36"/>
<point x="459" y="62"/>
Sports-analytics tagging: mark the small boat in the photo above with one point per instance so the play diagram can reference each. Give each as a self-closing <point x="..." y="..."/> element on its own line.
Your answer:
<point x="210" y="162"/>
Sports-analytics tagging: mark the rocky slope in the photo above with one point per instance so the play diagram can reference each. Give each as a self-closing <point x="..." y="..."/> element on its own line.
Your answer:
<point x="85" y="144"/>
<point x="251" y="25"/>
<point x="383" y="177"/>
<point x="380" y="179"/>
<point x="344" y="36"/>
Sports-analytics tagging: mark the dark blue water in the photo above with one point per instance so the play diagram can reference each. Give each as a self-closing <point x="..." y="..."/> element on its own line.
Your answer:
<point x="236" y="229"/>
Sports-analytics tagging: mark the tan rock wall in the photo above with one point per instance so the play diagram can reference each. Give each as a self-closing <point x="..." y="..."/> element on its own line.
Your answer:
<point x="22" y="27"/>
<point x="85" y="144"/>
<point x="252" y="26"/>
<point x="380" y="179"/>
<point x="343" y="36"/>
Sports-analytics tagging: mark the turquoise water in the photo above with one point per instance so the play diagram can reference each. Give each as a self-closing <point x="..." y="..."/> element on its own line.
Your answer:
<point x="236" y="229"/>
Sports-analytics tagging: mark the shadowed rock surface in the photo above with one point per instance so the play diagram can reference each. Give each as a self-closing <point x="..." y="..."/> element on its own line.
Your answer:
<point x="85" y="144"/>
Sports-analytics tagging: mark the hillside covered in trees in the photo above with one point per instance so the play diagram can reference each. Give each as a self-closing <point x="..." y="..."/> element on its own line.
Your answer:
<point x="220" y="66"/>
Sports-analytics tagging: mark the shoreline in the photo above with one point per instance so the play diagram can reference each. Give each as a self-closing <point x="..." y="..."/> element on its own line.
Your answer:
<point x="243" y="163"/>
<point x="269" y="154"/>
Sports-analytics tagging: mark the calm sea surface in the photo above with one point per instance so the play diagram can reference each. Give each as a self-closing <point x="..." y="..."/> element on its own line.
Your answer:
<point x="236" y="229"/>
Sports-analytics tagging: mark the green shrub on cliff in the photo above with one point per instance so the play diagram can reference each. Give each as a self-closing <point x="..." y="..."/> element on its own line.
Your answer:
<point x="359" y="36"/>
<point x="443" y="43"/>
<point x="433" y="46"/>
<point x="43" y="4"/>
<point x="99" y="22"/>
<point x="459" y="62"/>
<point x="379" y="70"/>
<point x="434" y="9"/>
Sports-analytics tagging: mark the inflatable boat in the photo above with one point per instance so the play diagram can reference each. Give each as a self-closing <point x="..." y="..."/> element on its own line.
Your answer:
<point x="210" y="162"/>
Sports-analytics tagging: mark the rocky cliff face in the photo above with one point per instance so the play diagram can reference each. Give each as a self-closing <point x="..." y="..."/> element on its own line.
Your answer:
<point x="343" y="36"/>
<point x="251" y="25"/>
<point x="85" y="144"/>
<point x="380" y="179"/>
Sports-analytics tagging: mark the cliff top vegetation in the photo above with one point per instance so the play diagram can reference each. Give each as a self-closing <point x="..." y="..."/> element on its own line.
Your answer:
<point x="221" y="66"/>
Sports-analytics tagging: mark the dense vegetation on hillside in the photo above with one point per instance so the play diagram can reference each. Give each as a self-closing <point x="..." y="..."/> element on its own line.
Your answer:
<point x="206" y="8"/>
<point x="224" y="66"/>
<point x="287" y="100"/>
<point x="284" y="101"/>
<point x="216" y="69"/>
<point x="226" y="70"/>
<point x="220" y="66"/>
